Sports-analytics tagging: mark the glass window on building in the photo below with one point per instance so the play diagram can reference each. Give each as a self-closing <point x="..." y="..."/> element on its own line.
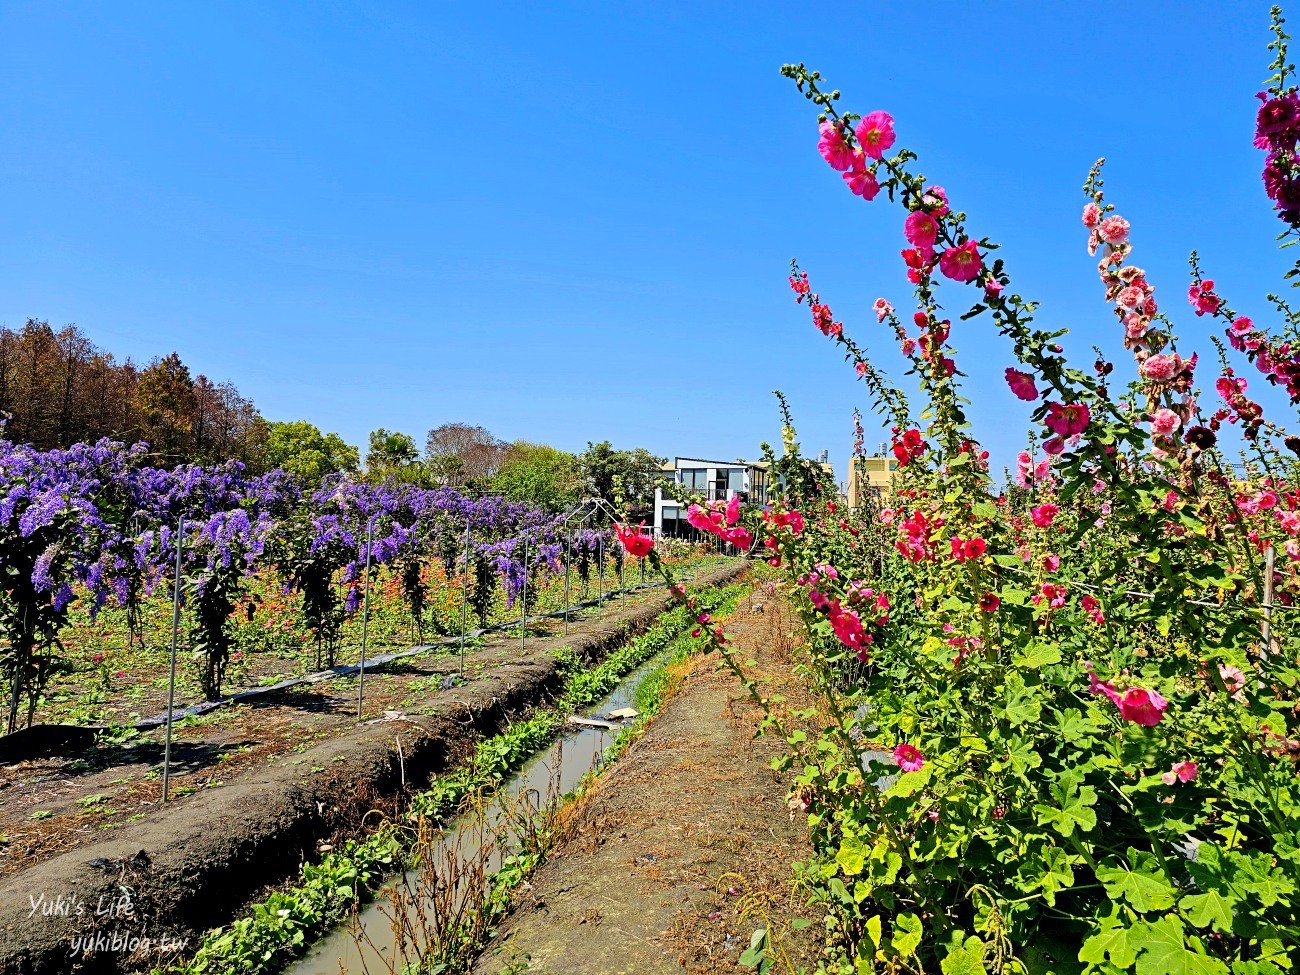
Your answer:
<point x="736" y="479"/>
<point x="694" y="478"/>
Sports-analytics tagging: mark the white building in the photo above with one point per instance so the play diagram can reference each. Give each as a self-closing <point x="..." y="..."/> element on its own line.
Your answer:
<point x="708" y="480"/>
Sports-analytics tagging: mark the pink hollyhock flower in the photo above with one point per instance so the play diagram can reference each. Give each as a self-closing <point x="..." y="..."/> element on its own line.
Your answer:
<point x="1203" y="299"/>
<point x="1067" y="419"/>
<point x="1114" y="230"/>
<point x="97" y="658"/>
<point x="848" y="630"/>
<point x="908" y="758"/>
<point x="733" y="509"/>
<point x="1161" y="368"/>
<point x="1093" y="609"/>
<point x="876" y="133"/>
<point x="833" y="147"/>
<point x="1242" y="325"/>
<point x="1165" y="423"/>
<point x="1130" y="298"/>
<point x="961" y="263"/>
<point x="908" y="346"/>
<point x="1135" y="326"/>
<point x="1022" y="385"/>
<point x="862" y="181"/>
<point x="882" y="308"/>
<point x="1043" y="514"/>
<point x="1234" y="680"/>
<point x="1054" y="445"/>
<point x="921" y="231"/>
<point x="935" y="199"/>
<point x="1091" y="216"/>
<point x="1051" y="562"/>
<point x="1141" y="706"/>
<point x="1180" y="772"/>
<point x="861" y="368"/>
<point x="637" y="544"/>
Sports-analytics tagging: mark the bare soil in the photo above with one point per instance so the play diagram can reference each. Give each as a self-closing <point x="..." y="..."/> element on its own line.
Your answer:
<point x="261" y="787"/>
<point x="684" y="847"/>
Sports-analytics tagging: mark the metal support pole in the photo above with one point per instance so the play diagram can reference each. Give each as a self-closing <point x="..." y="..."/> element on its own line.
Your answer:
<point x="523" y="612"/>
<point x="567" y="562"/>
<point x="365" y="619"/>
<point x="171" y="681"/>
<point x="622" y="582"/>
<point x="464" y="602"/>
<point x="600" y="574"/>
<point x="1266" y="632"/>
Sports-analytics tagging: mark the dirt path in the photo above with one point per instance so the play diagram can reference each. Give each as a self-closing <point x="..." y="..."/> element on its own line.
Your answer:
<point x="683" y="848"/>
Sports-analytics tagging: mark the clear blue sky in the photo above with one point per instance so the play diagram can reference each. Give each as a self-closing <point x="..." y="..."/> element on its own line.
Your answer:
<point x="572" y="222"/>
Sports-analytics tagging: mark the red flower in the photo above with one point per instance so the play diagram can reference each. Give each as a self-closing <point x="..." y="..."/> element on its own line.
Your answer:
<point x="638" y="545"/>
<point x="990" y="602"/>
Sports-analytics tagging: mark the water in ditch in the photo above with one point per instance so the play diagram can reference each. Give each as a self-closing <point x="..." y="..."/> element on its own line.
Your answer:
<point x="470" y="839"/>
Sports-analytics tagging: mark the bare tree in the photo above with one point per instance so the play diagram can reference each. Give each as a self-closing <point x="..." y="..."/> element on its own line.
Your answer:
<point x="459" y="452"/>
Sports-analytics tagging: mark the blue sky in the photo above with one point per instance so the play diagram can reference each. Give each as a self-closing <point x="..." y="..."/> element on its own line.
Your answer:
<point x="572" y="222"/>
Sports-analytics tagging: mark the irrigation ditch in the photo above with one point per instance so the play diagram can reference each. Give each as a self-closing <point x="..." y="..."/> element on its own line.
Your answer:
<point x="156" y="886"/>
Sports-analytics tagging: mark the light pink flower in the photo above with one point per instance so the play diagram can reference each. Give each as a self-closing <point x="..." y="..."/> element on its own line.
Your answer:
<point x="1022" y="384"/>
<point x="1091" y="216"/>
<point x="962" y="263"/>
<point x="1114" y="230"/>
<point x="875" y="133"/>
<point x="1165" y="423"/>
<point x="909" y="758"/>
<point x="1234" y="680"/>
<point x="1161" y="368"/>
<point x="882" y="308"/>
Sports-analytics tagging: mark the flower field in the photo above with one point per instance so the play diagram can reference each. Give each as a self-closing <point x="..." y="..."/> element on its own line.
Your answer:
<point x="272" y="576"/>
<point x="1059" y="716"/>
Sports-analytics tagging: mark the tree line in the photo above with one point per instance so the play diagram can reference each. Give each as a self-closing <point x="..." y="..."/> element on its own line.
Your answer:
<point x="58" y="388"/>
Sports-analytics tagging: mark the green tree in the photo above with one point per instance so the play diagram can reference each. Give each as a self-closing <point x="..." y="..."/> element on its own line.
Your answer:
<point x="301" y="449"/>
<point x="624" y="478"/>
<point x="393" y="456"/>
<point x="540" y="475"/>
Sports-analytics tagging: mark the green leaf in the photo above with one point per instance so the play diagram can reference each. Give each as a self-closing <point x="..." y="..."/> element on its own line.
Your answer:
<point x="1144" y="887"/>
<point x="1163" y="950"/>
<point x="964" y="958"/>
<point x="1075" y="806"/>
<point x="852" y="856"/>
<point x="1209" y="909"/>
<point x="1111" y="940"/>
<point x="1038" y="655"/>
<point x="907" y="934"/>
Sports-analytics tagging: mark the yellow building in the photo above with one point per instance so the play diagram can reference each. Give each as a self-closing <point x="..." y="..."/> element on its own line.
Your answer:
<point x="870" y="477"/>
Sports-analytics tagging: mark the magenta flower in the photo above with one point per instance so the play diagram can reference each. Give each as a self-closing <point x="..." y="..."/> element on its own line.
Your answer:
<point x="1022" y="385"/>
<point x="1203" y="299"/>
<point x="833" y="147"/>
<point x="961" y="263"/>
<point x="908" y="758"/>
<point x="875" y="133"/>
<point x="1043" y="514"/>
<point x="1136" y="704"/>
<point x="921" y="231"/>
<point x="862" y="181"/>
<point x="1067" y="419"/>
